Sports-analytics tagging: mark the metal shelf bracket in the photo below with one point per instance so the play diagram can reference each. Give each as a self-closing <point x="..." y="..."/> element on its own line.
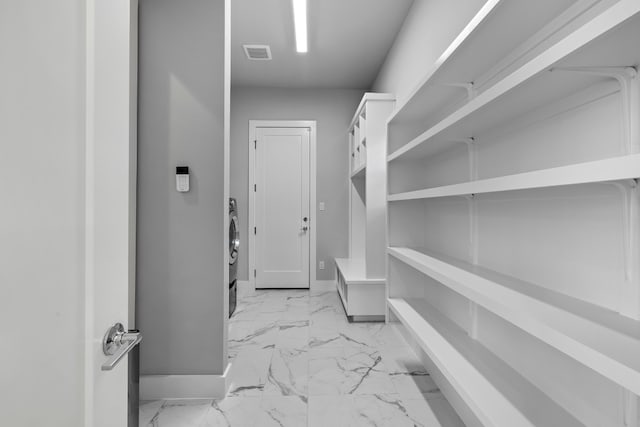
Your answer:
<point x="469" y="87"/>
<point x="630" y="294"/>
<point x="629" y="89"/>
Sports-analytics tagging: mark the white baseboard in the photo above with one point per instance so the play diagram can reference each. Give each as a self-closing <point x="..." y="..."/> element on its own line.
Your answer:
<point x="317" y="284"/>
<point x="323" y="285"/>
<point x="166" y="387"/>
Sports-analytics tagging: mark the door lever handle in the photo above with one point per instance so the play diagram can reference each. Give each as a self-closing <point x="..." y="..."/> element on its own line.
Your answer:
<point x="117" y="343"/>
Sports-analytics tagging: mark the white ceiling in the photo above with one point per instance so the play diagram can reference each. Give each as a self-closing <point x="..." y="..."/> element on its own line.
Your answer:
<point x="348" y="42"/>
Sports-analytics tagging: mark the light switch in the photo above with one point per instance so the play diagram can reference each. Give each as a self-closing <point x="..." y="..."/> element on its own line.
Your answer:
<point x="321" y="265"/>
<point x="182" y="179"/>
<point x="321" y="206"/>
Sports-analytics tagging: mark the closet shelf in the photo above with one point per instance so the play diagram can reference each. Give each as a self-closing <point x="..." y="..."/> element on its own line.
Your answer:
<point x="598" y="338"/>
<point x="603" y="41"/>
<point x="369" y="96"/>
<point x="354" y="272"/>
<point x="460" y="63"/>
<point x="359" y="172"/>
<point x="495" y="393"/>
<point x="422" y="96"/>
<point x="613" y="169"/>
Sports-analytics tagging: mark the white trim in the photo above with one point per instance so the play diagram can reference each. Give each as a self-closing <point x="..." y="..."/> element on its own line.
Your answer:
<point x="103" y="185"/>
<point x="324" y="282"/>
<point x="323" y="285"/>
<point x="89" y="288"/>
<point x="161" y="387"/>
<point x="315" y="285"/>
<point x="227" y="174"/>
<point x="313" y="263"/>
<point x="310" y="124"/>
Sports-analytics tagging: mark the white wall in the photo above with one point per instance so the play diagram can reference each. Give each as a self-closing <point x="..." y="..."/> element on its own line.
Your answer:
<point x="333" y="110"/>
<point x="430" y="26"/>
<point x="182" y="268"/>
<point x="42" y="212"/>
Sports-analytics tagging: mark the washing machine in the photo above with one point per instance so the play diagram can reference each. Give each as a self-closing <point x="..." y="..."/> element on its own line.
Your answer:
<point x="234" y="246"/>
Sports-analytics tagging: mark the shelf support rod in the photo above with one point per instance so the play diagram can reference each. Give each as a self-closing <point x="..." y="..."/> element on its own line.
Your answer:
<point x="473" y="315"/>
<point x="629" y="408"/>
<point x="473" y="228"/>
<point x="630" y="294"/>
<point x="472" y="149"/>
<point x="473" y="155"/>
<point x="627" y="79"/>
<point x="469" y="87"/>
<point x="473" y="255"/>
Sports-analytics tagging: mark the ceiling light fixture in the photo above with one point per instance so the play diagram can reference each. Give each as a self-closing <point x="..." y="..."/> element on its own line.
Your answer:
<point x="300" y="21"/>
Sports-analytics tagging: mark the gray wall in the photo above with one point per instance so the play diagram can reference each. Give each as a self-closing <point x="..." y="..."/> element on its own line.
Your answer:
<point x="333" y="110"/>
<point x="181" y="257"/>
<point x="429" y="28"/>
<point x="42" y="215"/>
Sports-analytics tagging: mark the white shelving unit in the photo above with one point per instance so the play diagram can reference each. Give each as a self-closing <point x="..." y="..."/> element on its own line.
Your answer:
<point x="361" y="277"/>
<point x="362" y="297"/>
<point x="514" y="213"/>
<point x="614" y="169"/>
<point x="461" y="74"/>
<point x="497" y="393"/>
<point x="598" y="338"/>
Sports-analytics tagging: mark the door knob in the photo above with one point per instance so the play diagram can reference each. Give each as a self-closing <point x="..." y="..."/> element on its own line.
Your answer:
<point x="117" y="343"/>
<point x="305" y="228"/>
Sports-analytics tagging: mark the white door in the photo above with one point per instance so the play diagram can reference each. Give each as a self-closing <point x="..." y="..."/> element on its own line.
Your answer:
<point x="110" y="202"/>
<point x="282" y="214"/>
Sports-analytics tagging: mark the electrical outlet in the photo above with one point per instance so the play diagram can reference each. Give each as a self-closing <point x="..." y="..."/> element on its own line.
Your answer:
<point x="321" y="265"/>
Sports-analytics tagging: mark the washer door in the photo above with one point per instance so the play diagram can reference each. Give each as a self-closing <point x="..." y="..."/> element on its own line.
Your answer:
<point x="234" y="239"/>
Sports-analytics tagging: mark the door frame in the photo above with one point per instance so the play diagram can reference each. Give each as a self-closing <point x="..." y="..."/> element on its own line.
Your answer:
<point x="103" y="178"/>
<point x="306" y="124"/>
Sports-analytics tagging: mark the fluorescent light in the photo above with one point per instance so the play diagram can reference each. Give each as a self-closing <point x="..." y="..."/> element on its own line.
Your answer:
<point x="300" y="21"/>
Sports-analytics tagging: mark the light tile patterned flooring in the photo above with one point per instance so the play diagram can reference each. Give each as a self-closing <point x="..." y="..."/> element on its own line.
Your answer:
<point x="297" y="362"/>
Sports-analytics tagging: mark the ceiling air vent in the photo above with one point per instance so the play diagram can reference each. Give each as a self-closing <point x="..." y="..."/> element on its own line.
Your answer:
<point x="257" y="52"/>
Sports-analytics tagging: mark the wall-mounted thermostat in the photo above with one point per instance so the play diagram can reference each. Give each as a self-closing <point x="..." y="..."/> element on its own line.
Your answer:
<point x="182" y="179"/>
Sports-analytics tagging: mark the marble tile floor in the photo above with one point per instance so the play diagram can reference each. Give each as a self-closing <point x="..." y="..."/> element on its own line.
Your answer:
<point x="297" y="362"/>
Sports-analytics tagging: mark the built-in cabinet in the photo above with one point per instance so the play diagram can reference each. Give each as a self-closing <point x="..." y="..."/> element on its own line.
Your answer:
<point x="513" y="215"/>
<point x="361" y="276"/>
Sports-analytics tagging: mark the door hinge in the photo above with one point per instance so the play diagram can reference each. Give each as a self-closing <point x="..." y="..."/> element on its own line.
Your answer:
<point x="255" y="187"/>
<point x="255" y="144"/>
<point x="255" y="230"/>
<point x="254" y="273"/>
